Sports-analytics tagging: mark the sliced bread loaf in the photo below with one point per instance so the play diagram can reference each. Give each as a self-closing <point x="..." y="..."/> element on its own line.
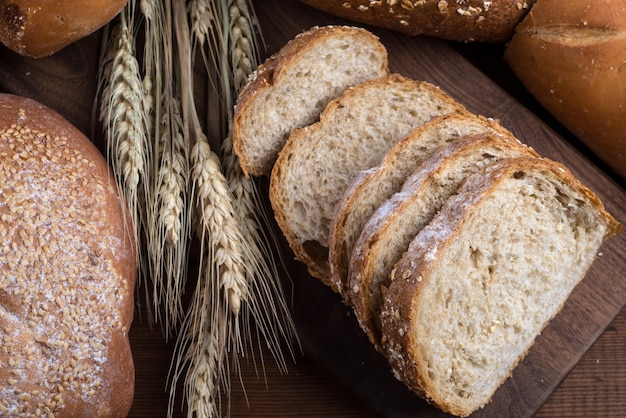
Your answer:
<point x="319" y="161"/>
<point x="481" y="281"/>
<point x="293" y="86"/>
<point x="372" y="187"/>
<point x="388" y="233"/>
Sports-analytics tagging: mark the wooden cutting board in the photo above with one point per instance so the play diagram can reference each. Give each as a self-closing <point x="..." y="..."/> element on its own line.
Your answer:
<point x="328" y="329"/>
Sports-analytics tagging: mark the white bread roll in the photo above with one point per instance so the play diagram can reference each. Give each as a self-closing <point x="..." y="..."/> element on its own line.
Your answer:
<point x="67" y="271"/>
<point x="37" y="28"/>
<point x="571" y="55"/>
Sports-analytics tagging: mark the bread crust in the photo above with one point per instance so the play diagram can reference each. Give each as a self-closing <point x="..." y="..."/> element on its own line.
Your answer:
<point x="410" y="274"/>
<point x="470" y="20"/>
<point x="270" y="73"/>
<point x="65" y="316"/>
<point x="571" y="57"/>
<point x="38" y="28"/>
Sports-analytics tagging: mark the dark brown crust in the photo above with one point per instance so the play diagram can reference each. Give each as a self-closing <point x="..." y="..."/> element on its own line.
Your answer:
<point x="269" y="73"/>
<point x="38" y="28"/>
<point x="571" y="57"/>
<point x="473" y="20"/>
<point x="411" y="272"/>
<point x="114" y="394"/>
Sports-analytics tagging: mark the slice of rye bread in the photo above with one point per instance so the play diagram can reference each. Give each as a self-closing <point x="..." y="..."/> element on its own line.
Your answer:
<point x="388" y="233"/>
<point x="292" y="87"/>
<point x="481" y="281"/>
<point x="319" y="161"/>
<point x="371" y="188"/>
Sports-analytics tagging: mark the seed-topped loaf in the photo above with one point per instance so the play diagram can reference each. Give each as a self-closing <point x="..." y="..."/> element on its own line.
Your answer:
<point x="480" y="282"/>
<point x="67" y="271"/>
<point x="293" y="86"/>
<point x="371" y="188"/>
<point x="388" y="233"/>
<point x="457" y="20"/>
<point x="319" y="162"/>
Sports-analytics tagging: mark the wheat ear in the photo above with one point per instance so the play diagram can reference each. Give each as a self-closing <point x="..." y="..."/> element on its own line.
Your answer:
<point x="171" y="226"/>
<point x="268" y="303"/>
<point x="124" y="120"/>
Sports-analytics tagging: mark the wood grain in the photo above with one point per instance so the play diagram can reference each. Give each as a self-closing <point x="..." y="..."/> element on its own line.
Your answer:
<point x="339" y="374"/>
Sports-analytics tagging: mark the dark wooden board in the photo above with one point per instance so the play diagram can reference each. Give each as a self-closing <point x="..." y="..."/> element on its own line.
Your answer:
<point x="327" y="329"/>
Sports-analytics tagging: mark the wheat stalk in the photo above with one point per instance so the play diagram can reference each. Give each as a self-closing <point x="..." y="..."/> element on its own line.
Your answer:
<point x="168" y="213"/>
<point x="123" y="116"/>
<point x="169" y="230"/>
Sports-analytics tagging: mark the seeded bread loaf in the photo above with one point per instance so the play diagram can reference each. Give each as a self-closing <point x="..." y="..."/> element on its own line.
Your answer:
<point x="387" y="234"/>
<point x="371" y="188"/>
<point x="480" y="282"/>
<point x="292" y="87"/>
<point x="67" y="271"/>
<point x="37" y="28"/>
<point x="318" y="162"/>
<point x="571" y="55"/>
<point x="456" y="20"/>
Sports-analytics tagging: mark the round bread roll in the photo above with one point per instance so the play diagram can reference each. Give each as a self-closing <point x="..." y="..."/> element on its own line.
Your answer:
<point x="571" y="55"/>
<point x="67" y="271"/>
<point x="456" y="20"/>
<point x="37" y="28"/>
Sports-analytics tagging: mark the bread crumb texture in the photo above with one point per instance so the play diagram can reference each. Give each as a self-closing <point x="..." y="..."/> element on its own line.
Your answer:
<point x="59" y="295"/>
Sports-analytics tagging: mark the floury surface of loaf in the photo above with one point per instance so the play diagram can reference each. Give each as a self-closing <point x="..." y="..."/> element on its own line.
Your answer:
<point x="480" y="282"/>
<point x="319" y="161"/>
<point x="67" y="272"/>
<point x="292" y="87"/>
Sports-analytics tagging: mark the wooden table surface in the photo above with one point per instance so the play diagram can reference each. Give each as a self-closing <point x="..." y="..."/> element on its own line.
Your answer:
<point x="595" y="386"/>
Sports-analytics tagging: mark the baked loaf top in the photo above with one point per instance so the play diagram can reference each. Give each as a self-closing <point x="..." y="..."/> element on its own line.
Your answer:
<point x="67" y="271"/>
<point x="292" y="87"/>
<point x="370" y="188"/>
<point x="456" y="20"/>
<point x="470" y="295"/>
<point x="387" y="234"/>
<point x="319" y="161"/>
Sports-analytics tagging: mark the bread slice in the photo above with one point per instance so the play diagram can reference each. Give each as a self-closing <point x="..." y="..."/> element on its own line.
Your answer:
<point x="481" y="281"/>
<point x="388" y="233"/>
<point x="372" y="187"/>
<point x="293" y="86"/>
<point x="319" y="162"/>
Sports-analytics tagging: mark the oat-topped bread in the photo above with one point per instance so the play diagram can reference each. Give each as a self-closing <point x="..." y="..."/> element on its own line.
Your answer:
<point x="372" y="187"/>
<point x="480" y="282"/>
<point x="293" y="86"/>
<point x="319" y="162"/>
<point x="67" y="272"/>
<point x="388" y="233"/>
